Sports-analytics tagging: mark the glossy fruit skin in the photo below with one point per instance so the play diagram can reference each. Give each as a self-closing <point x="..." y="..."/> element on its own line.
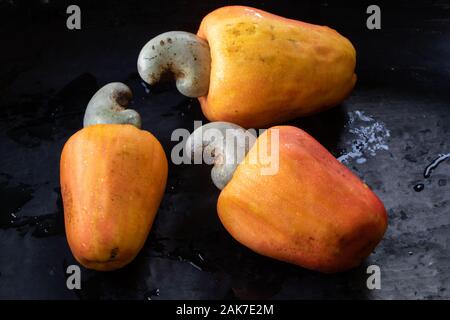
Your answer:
<point x="113" y="178"/>
<point x="267" y="69"/>
<point x="314" y="212"/>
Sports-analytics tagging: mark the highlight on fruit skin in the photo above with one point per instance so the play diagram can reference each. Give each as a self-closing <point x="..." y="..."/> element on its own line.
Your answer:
<point x="264" y="69"/>
<point x="112" y="178"/>
<point x="312" y="212"/>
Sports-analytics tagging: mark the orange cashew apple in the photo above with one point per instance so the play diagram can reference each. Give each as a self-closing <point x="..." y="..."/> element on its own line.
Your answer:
<point x="113" y="176"/>
<point x="310" y="211"/>
<point x="254" y="68"/>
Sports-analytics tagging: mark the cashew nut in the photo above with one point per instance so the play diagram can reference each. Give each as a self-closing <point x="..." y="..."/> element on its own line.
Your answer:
<point x="183" y="54"/>
<point x="109" y="105"/>
<point x="223" y="144"/>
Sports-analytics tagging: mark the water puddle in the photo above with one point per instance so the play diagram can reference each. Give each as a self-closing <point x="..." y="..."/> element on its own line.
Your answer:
<point x="369" y="136"/>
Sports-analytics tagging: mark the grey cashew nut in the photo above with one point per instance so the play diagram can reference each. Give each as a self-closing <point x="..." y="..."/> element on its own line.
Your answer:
<point x="222" y="144"/>
<point x="109" y="106"/>
<point x="183" y="54"/>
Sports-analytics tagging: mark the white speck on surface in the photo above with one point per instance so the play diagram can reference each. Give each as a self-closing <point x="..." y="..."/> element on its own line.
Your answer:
<point x="370" y="136"/>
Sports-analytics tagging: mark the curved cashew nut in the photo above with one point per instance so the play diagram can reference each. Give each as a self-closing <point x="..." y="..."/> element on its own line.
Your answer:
<point x="108" y="106"/>
<point x="223" y="144"/>
<point x="182" y="53"/>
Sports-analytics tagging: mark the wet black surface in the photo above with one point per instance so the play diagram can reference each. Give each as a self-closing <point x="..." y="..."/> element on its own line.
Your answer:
<point x="394" y="125"/>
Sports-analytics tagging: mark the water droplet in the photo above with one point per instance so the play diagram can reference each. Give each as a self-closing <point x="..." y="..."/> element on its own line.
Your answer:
<point x="360" y="160"/>
<point x="419" y="187"/>
<point x="152" y="293"/>
<point x="195" y="266"/>
<point x="433" y="165"/>
<point x="147" y="90"/>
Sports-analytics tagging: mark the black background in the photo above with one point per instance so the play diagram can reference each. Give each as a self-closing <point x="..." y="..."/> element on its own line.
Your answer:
<point x="48" y="74"/>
